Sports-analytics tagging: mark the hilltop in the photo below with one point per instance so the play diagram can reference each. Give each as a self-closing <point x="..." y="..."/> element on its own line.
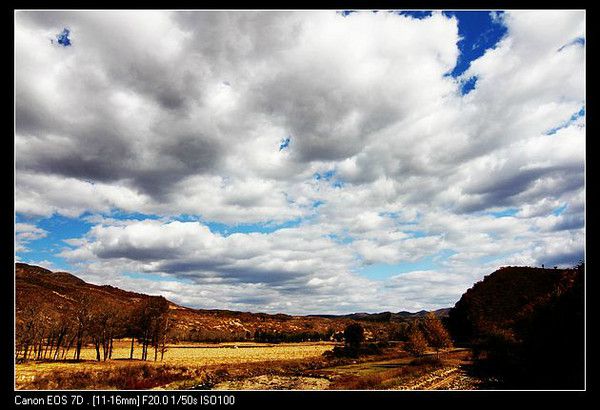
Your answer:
<point x="506" y="297"/>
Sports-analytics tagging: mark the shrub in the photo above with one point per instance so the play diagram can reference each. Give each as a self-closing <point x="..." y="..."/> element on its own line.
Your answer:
<point x="429" y="360"/>
<point x="354" y="335"/>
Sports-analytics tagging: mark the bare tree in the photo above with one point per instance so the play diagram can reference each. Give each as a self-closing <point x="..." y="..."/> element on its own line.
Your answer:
<point x="151" y="318"/>
<point x="27" y="328"/>
<point x="167" y="333"/>
<point x="106" y="323"/>
<point x="83" y="313"/>
<point x="64" y="327"/>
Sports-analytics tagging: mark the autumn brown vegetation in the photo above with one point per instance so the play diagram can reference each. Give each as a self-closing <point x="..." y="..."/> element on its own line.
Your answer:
<point x="58" y="315"/>
<point x="526" y="327"/>
<point x="51" y="335"/>
<point x="416" y="343"/>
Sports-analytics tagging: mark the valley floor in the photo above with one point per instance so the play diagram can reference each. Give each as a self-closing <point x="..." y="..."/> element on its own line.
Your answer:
<point x="254" y="366"/>
<point x="391" y="374"/>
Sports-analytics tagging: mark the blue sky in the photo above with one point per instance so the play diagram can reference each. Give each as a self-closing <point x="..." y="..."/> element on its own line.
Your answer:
<point x="218" y="166"/>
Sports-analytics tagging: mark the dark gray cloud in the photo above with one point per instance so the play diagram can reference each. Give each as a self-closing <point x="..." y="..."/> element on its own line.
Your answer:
<point x="87" y="135"/>
<point x="96" y="155"/>
<point x="568" y="222"/>
<point x="139" y="254"/>
<point x="202" y="270"/>
<point x="562" y="259"/>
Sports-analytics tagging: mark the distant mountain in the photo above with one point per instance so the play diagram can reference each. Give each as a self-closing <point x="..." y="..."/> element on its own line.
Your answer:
<point x="62" y="293"/>
<point x="386" y="316"/>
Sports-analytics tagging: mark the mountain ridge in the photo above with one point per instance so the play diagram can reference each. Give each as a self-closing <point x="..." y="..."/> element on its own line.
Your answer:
<point x="61" y="292"/>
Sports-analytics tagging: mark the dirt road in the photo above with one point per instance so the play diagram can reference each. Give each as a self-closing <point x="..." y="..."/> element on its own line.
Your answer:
<point x="446" y="378"/>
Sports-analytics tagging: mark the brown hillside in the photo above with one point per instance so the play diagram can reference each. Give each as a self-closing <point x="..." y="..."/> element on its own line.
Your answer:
<point x="61" y="292"/>
<point x="505" y="297"/>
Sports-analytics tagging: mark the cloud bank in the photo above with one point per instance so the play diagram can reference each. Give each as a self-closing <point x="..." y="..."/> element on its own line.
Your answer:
<point x="340" y="143"/>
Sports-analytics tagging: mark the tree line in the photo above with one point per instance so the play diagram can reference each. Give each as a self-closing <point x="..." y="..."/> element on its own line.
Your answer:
<point x="51" y="334"/>
<point x="43" y="334"/>
<point x="291" y="337"/>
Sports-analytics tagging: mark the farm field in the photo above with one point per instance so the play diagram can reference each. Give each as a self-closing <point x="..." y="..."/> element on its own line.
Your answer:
<point x="222" y="353"/>
<point x="187" y="360"/>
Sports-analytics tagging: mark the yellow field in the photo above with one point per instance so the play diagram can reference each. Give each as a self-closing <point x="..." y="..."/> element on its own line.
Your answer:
<point x="243" y="366"/>
<point x="189" y="355"/>
<point x="200" y="354"/>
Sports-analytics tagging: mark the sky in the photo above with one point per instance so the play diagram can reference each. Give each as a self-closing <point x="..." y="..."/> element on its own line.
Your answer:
<point x="300" y="162"/>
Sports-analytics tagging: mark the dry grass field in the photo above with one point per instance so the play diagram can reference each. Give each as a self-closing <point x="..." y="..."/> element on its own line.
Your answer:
<point x="190" y="361"/>
<point x="204" y="354"/>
